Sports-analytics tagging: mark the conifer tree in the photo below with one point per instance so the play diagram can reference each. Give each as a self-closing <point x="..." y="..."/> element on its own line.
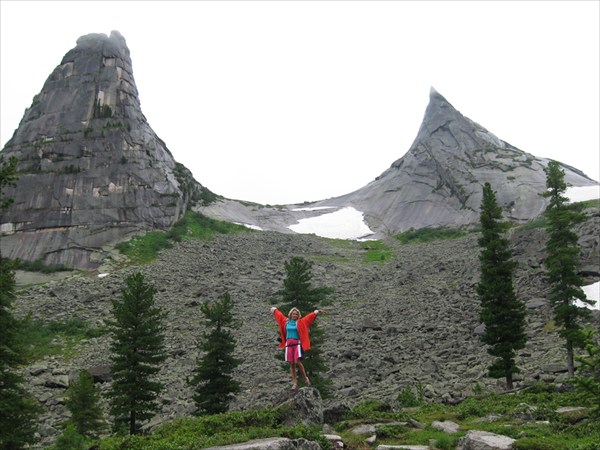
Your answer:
<point x="18" y="409"/>
<point x="298" y="292"/>
<point x="83" y="401"/>
<point x="137" y="352"/>
<point x="587" y="380"/>
<point x="214" y="385"/>
<point x="562" y="261"/>
<point x="501" y="311"/>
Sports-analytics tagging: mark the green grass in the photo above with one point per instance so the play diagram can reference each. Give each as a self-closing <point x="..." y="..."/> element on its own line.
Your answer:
<point x="376" y="251"/>
<point x="555" y="432"/>
<point x="594" y="203"/>
<point x="532" y="225"/>
<point x="40" y="338"/>
<point x="214" y="430"/>
<point x="429" y="234"/>
<point x="542" y="222"/>
<point x="546" y="429"/>
<point x="143" y="249"/>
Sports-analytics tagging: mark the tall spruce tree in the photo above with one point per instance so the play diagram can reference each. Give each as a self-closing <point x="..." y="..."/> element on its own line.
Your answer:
<point x="137" y="352"/>
<point x="298" y="292"/>
<point x="18" y="409"/>
<point x="501" y="311"/>
<point x="562" y="262"/>
<point x="214" y="385"/>
<point x="83" y="401"/>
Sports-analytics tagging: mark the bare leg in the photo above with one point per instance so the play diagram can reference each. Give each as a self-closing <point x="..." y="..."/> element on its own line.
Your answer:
<point x="303" y="373"/>
<point x="293" y="372"/>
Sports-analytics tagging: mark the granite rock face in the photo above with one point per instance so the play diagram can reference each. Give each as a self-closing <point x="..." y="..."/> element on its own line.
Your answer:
<point x="438" y="182"/>
<point x="91" y="170"/>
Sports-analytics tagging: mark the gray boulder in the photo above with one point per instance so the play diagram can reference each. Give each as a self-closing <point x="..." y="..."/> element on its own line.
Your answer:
<point x="271" y="444"/>
<point x="304" y="408"/>
<point x="484" y="440"/>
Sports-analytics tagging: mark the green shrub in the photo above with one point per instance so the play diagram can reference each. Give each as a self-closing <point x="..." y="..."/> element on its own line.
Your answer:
<point x="215" y="430"/>
<point x="369" y="409"/>
<point x="533" y="224"/>
<point x="429" y="234"/>
<point x="407" y="398"/>
<point x="587" y="380"/>
<point x="541" y="387"/>
<point x="56" y="337"/>
<point x="143" y="249"/>
<point x="376" y="251"/>
<point x="39" y="266"/>
<point x="70" y="439"/>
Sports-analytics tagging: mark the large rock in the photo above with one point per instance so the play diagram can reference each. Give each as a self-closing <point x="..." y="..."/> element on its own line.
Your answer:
<point x="484" y="440"/>
<point x="271" y="444"/>
<point x="304" y="408"/>
<point x="91" y="170"/>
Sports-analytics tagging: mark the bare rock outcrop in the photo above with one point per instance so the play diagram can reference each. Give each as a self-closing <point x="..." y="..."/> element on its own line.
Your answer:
<point x="484" y="440"/>
<point x="91" y="171"/>
<point x="439" y="181"/>
<point x="271" y="444"/>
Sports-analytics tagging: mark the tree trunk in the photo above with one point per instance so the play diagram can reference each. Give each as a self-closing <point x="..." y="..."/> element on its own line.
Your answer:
<point x="509" y="381"/>
<point x="570" y="362"/>
<point x="132" y="422"/>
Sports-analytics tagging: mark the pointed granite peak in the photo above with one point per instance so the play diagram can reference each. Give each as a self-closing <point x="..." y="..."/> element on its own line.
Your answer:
<point x="92" y="171"/>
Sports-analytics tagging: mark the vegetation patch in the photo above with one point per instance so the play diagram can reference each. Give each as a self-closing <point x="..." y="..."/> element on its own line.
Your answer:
<point x="39" y="266"/>
<point x="430" y="234"/>
<point x="215" y="430"/>
<point x="376" y="251"/>
<point x="193" y="225"/>
<point x="40" y="338"/>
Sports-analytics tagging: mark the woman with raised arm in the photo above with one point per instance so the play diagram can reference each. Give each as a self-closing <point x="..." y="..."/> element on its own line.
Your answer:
<point x="295" y="339"/>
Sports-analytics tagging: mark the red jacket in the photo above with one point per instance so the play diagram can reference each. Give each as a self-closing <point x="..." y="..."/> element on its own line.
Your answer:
<point x="302" y="323"/>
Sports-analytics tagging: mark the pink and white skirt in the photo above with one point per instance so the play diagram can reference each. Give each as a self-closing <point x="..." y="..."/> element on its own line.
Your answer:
<point x="293" y="350"/>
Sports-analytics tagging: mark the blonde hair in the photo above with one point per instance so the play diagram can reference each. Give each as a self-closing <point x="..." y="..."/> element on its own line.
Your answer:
<point x="292" y="310"/>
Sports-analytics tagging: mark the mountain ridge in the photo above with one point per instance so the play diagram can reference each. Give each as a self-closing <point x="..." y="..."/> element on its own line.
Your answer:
<point x="92" y="172"/>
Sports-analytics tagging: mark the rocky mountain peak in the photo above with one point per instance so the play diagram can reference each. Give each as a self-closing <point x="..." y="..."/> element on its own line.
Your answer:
<point x="439" y="181"/>
<point x="91" y="170"/>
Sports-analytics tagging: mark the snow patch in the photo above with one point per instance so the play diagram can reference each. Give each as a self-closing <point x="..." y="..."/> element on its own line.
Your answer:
<point x="346" y="223"/>
<point x="582" y="193"/>
<point x="592" y="292"/>
<point x="102" y="275"/>
<point x="247" y="225"/>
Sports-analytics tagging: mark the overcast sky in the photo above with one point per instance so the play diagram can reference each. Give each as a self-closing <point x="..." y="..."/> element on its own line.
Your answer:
<point x="291" y="101"/>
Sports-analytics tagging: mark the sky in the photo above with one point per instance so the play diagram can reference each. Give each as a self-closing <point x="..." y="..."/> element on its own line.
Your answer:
<point x="282" y="102"/>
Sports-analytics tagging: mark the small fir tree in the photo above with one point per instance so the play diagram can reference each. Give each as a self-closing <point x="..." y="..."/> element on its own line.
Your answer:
<point x="501" y="311"/>
<point x="587" y="380"/>
<point x="137" y="352"/>
<point x="70" y="439"/>
<point x="18" y="409"/>
<point x="214" y="385"/>
<point x="562" y="262"/>
<point x="83" y="401"/>
<point x="298" y="292"/>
